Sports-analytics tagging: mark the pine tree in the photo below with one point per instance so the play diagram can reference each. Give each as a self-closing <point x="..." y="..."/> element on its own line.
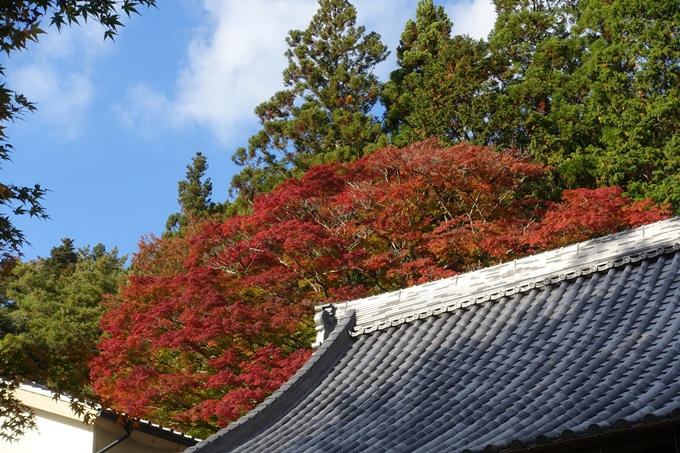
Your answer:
<point x="61" y="257"/>
<point x="324" y="112"/>
<point x="193" y="195"/>
<point x="421" y="42"/>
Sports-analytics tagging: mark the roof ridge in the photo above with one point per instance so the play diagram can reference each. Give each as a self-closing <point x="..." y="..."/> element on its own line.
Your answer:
<point x="520" y="275"/>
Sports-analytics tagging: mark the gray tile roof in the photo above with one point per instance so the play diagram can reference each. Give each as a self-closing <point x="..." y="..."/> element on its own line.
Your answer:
<point x="535" y="271"/>
<point x="589" y="334"/>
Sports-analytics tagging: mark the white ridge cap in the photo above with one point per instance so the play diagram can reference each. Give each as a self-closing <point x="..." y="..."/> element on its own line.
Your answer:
<point x="389" y="309"/>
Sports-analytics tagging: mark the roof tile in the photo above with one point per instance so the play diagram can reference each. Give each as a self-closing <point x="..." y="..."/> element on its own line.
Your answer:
<point x="555" y="346"/>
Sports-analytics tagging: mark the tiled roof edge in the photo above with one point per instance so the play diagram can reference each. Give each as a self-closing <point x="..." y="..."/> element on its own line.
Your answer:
<point x="111" y="415"/>
<point x="567" y="439"/>
<point x="390" y="309"/>
<point x="39" y="389"/>
<point x="279" y="402"/>
<point x="154" y="429"/>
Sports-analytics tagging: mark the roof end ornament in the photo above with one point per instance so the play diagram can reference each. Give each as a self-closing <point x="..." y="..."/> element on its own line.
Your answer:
<point x="325" y="321"/>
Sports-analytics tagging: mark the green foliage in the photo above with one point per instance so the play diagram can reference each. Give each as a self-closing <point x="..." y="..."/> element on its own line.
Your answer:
<point x="49" y="324"/>
<point x="21" y="19"/>
<point x="632" y="71"/>
<point x="18" y="200"/>
<point x="324" y="113"/>
<point x="194" y="195"/>
<point x="421" y="43"/>
<point x="532" y="60"/>
<point x="62" y="258"/>
<point x="588" y="87"/>
<point x="593" y="91"/>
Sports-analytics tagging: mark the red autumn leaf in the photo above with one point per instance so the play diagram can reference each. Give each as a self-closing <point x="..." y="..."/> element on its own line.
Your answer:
<point x="214" y="320"/>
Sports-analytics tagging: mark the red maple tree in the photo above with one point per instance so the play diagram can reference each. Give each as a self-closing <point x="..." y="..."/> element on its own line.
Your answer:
<point x="214" y="319"/>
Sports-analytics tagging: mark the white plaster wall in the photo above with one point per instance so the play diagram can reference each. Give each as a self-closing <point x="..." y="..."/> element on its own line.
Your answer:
<point x="59" y="430"/>
<point x="55" y="434"/>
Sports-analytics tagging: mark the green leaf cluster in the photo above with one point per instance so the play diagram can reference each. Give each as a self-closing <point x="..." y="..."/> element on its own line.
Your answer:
<point x="324" y="114"/>
<point x="194" y="194"/>
<point x="21" y="20"/>
<point x="589" y="87"/>
<point x="49" y="323"/>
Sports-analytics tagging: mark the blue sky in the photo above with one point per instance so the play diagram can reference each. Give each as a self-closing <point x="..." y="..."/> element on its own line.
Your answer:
<point x="118" y="122"/>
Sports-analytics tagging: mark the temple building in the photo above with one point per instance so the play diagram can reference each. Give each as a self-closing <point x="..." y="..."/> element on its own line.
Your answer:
<point x="572" y="350"/>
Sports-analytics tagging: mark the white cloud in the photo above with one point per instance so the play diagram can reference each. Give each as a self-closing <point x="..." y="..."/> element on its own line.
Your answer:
<point x="235" y="61"/>
<point x="142" y="109"/>
<point x="61" y="98"/>
<point x="55" y="74"/>
<point x="475" y="18"/>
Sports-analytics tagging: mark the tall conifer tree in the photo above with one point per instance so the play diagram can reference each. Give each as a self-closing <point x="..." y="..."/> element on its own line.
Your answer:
<point x="324" y="114"/>
<point x="632" y="71"/>
<point x="439" y="88"/>
<point x="193" y="195"/>
<point x="588" y="87"/>
<point x="420" y="43"/>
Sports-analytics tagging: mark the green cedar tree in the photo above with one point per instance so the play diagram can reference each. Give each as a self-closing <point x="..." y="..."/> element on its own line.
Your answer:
<point x="324" y="112"/>
<point x="589" y="88"/>
<point x="194" y="194"/>
<point x="632" y="72"/>
<point x="445" y="87"/>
